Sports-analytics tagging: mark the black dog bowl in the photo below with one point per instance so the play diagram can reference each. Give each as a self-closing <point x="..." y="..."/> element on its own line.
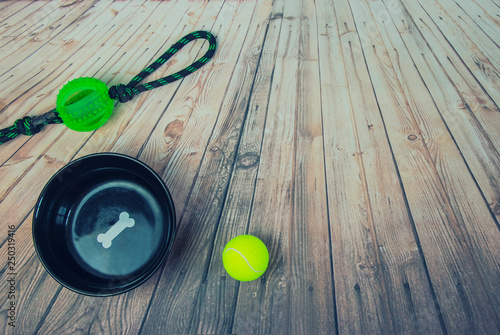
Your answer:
<point x="103" y="224"/>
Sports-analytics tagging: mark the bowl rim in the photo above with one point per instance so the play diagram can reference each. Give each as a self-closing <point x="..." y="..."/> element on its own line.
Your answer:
<point x="134" y="283"/>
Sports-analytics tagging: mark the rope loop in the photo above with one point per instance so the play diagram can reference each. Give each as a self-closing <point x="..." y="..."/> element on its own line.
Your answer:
<point x="124" y="93"/>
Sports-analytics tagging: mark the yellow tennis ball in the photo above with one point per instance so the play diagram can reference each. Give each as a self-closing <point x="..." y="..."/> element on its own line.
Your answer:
<point x="245" y="258"/>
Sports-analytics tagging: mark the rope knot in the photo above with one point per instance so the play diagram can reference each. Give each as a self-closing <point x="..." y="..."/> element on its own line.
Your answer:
<point x="121" y="93"/>
<point x="26" y="127"/>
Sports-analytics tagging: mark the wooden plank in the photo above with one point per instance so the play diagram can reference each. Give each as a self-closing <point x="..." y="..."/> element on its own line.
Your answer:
<point x="427" y="113"/>
<point x="361" y="300"/>
<point x="483" y="14"/>
<point x="467" y="110"/>
<point x="187" y="284"/>
<point x="470" y="211"/>
<point x="454" y="12"/>
<point x="312" y="289"/>
<point x="472" y="92"/>
<point x="40" y="15"/>
<point x="476" y="51"/>
<point x="311" y="305"/>
<point x="31" y="301"/>
<point x="454" y="226"/>
<point x="27" y="46"/>
<point x="47" y="23"/>
<point x="11" y="9"/>
<point x="178" y="143"/>
<point x="54" y="56"/>
<point x="264" y="306"/>
<point x="16" y="19"/>
<point x="381" y="285"/>
<point x="221" y="290"/>
<point x="217" y="294"/>
<point x="489" y="6"/>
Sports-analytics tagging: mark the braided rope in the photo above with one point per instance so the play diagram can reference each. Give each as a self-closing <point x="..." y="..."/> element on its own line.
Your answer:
<point x="123" y="93"/>
<point x="29" y="125"/>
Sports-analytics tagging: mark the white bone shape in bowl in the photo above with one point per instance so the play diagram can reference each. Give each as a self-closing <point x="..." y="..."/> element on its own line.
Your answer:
<point x="125" y="222"/>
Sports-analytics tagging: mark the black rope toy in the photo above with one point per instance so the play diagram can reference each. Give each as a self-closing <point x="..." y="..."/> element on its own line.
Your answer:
<point x="85" y="104"/>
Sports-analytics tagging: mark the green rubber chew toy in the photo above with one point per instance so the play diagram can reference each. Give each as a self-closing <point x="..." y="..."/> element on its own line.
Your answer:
<point x="85" y="104"/>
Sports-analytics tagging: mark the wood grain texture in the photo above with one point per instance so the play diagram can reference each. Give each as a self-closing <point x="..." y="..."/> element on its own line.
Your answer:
<point x="214" y="148"/>
<point x="473" y="47"/>
<point x="310" y="270"/>
<point x="455" y="253"/>
<point x="485" y="16"/>
<point x="241" y="194"/>
<point x="9" y="9"/>
<point x="287" y="189"/>
<point x="216" y="299"/>
<point x="264" y="305"/>
<point x="384" y="256"/>
<point x="40" y="26"/>
<point x="470" y="115"/>
<point x="474" y="103"/>
<point x="451" y="11"/>
<point x="359" y="139"/>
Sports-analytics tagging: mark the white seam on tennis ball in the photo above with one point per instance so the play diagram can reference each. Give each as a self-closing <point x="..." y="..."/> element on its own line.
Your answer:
<point x="243" y="258"/>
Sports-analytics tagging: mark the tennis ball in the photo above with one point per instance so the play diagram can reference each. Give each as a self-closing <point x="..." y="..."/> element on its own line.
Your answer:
<point x="245" y="258"/>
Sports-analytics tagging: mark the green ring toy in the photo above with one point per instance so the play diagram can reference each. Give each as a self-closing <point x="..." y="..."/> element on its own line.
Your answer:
<point x="85" y="104"/>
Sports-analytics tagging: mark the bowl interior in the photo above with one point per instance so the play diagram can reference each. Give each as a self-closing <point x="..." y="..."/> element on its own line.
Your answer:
<point x="103" y="224"/>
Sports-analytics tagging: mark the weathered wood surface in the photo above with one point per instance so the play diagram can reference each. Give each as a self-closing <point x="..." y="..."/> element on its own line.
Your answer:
<point x="359" y="139"/>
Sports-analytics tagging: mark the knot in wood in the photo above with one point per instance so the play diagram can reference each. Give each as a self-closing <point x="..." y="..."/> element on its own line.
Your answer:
<point x="412" y="137"/>
<point x="248" y="160"/>
<point x="174" y="129"/>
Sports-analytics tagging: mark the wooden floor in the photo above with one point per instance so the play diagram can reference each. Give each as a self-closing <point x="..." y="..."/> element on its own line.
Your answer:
<point x="359" y="139"/>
